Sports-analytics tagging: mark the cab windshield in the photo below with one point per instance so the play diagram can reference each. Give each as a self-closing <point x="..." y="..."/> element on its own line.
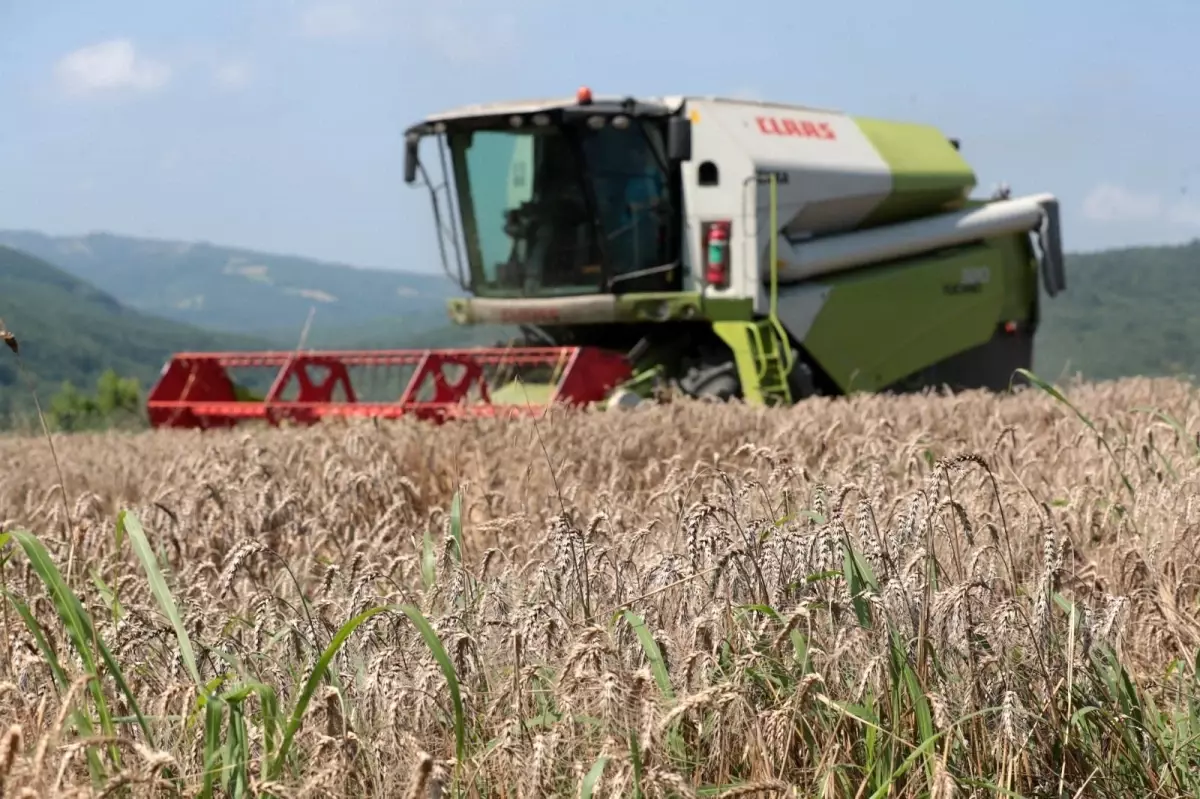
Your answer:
<point x="562" y="209"/>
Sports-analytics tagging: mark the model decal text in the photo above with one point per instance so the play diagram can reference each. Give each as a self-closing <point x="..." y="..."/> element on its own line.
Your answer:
<point x="971" y="281"/>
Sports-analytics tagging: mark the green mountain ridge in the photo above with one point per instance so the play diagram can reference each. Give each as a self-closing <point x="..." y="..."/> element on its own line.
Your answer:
<point x="1128" y="311"/>
<point x="69" y="330"/>
<point x="240" y="290"/>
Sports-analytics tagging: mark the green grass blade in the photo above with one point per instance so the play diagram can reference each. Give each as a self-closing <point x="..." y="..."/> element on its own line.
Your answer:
<point x="269" y="703"/>
<point x="887" y="786"/>
<point x="588" y="786"/>
<point x="128" y="524"/>
<point x="214" y="712"/>
<point x="82" y="633"/>
<point x="916" y="694"/>
<point x="271" y="720"/>
<point x="109" y="596"/>
<point x="635" y="755"/>
<point x="82" y="722"/>
<point x="456" y="525"/>
<point x="657" y="665"/>
<point x="428" y="561"/>
<point x="76" y="622"/>
<point x="118" y="676"/>
<point x="1175" y="425"/>
<point x="447" y="665"/>
<point x="39" y="637"/>
<point x="310" y="686"/>
<point x="1058" y="396"/>
<point x="236" y="755"/>
<point x="860" y="579"/>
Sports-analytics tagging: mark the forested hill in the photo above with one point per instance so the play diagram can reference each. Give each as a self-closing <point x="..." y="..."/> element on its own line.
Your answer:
<point x="1125" y="312"/>
<point x="239" y="290"/>
<point x="69" y="330"/>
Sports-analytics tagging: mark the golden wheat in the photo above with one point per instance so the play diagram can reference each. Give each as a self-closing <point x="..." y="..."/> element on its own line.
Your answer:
<point x="729" y="532"/>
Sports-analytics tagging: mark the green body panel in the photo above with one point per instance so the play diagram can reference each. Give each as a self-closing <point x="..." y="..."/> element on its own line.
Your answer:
<point x="928" y="174"/>
<point x="1020" y="277"/>
<point x="600" y="308"/>
<point x="882" y="324"/>
<point x="736" y="336"/>
<point x="519" y="393"/>
<point x="763" y="358"/>
<point x="644" y="381"/>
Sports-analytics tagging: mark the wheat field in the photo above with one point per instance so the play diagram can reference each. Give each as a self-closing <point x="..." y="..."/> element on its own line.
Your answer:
<point x="866" y="597"/>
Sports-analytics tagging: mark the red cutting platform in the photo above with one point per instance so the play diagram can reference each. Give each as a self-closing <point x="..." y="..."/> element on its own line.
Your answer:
<point x="195" y="389"/>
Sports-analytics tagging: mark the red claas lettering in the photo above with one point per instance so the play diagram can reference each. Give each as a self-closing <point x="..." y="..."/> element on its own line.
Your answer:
<point x="800" y="128"/>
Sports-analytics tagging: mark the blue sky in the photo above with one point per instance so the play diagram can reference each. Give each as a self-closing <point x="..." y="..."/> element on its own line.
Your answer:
<point x="276" y="124"/>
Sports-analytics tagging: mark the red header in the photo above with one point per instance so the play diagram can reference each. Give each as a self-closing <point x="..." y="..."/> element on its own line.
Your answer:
<point x="804" y="129"/>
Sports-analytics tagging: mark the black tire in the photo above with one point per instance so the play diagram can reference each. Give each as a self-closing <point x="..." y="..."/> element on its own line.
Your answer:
<point x="712" y="381"/>
<point x="801" y="380"/>
<point x="719" y="380"/>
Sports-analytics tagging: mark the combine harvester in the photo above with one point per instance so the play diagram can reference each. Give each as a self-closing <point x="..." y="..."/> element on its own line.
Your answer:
<point x="729" y="248"/>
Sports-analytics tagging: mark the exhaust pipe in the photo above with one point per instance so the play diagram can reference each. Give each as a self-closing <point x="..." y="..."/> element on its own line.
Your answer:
<point x="1036" y="213"/>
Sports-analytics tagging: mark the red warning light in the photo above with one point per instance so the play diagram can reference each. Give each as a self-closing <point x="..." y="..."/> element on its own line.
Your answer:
<point x="583" y="96"/>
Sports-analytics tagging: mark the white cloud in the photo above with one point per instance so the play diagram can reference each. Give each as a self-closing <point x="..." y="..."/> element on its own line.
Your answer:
<point x="1110" y="203"/>
<point x="456" y="30"/>
<point x="465" y="38"/>
<point x="1185" y="213"/>
<point x="332" y="19"/>
<point x="110" y="65"/>
<point x="232" y="74"/>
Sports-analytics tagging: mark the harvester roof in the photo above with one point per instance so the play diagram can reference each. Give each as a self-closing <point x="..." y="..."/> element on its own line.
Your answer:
<point x="663" y="103"/>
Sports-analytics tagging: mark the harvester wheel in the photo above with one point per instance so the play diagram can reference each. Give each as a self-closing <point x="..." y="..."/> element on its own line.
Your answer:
<point x="712" y="381"/>
<point x="802" y="382"/>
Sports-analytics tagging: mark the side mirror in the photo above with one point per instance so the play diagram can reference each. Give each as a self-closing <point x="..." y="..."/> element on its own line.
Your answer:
<point x="679" y="139"/>
<point x="411" y="142"/>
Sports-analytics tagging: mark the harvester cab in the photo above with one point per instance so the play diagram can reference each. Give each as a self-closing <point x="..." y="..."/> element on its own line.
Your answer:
<point x="559" y="200"/>
<point x="727" y="248"/>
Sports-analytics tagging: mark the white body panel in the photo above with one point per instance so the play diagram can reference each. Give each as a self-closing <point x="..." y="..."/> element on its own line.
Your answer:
<point x="834" y="179"/>
<point x="831" y="177"/>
